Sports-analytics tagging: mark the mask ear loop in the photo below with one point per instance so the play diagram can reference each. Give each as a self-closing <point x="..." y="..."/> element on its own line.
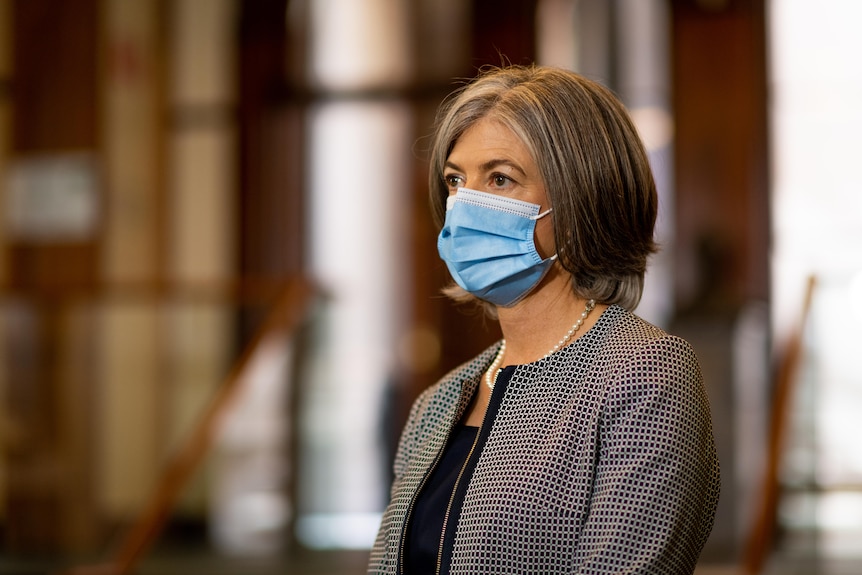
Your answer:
<point x="539" y="217"/>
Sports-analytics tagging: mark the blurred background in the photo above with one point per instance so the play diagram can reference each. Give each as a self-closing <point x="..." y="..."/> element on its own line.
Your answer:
<point x="219" y="287"/>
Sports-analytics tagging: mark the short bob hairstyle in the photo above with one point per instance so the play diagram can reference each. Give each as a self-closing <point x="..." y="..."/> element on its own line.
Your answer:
<point x="592" y="162"/>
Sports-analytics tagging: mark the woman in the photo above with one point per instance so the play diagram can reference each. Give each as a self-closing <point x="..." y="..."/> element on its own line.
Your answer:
<point x="580" y="443"/>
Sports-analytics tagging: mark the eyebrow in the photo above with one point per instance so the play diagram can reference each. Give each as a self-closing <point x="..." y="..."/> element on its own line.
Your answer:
<point x="488" y="166"/>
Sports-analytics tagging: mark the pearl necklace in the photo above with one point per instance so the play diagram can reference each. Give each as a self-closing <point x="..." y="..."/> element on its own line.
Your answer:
<point x="494" y="370"/>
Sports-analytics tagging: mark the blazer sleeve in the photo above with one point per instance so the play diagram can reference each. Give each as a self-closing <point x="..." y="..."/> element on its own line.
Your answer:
<point x="383" y="557"/>
<point x="657" y="477"/>
<point x="408" y="439"/>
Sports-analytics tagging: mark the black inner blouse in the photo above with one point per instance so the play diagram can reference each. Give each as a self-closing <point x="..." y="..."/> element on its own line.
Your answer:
<point x="425" y="528"/>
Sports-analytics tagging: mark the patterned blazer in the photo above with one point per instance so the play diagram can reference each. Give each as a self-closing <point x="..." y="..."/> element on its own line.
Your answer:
<point x="600" y="460"/>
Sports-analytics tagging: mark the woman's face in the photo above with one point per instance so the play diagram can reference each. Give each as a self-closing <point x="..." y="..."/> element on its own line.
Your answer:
<point x="489" y="157"/>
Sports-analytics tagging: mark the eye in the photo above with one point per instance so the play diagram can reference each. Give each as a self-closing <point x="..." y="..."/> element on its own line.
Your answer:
<point x="501" y="181"/>
<point x="453" y="181"/>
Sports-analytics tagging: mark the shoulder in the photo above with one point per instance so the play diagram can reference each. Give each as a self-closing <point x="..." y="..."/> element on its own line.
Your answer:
<point x="624" y="340"/>
<point x="632" y="359"/>
<point x="645" y="370"/>
<point x="620" y="325"/>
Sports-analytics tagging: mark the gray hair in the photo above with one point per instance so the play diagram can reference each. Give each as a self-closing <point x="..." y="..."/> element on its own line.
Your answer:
<point x="593" y="165"/>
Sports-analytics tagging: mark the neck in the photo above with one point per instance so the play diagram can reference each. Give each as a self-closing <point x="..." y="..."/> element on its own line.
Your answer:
<point x="533" y="327"/>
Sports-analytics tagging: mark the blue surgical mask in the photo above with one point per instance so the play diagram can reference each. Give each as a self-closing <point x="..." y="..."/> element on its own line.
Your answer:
<point x="487" y="242"/>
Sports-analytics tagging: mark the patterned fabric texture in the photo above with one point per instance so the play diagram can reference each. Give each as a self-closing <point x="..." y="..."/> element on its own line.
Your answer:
<point x="600" y="460"/>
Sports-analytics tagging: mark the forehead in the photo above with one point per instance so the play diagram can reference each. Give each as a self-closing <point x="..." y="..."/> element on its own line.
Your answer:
<point x="489" y="137"/>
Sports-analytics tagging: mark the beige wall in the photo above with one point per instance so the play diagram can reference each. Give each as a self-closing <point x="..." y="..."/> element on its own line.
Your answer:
<point x="169" y="185"/>
<point x="130" y="400"/>
<point x="201" y="182"/>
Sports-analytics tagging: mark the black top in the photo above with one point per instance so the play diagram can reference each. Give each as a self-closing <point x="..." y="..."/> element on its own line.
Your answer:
<point x="425" y="529"/>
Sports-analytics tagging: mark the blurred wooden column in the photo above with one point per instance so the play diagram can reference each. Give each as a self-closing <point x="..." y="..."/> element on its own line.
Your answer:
<point x="721" y="258"/>
<point x="721" y="161"/>
<point x="269" y="221"/>
<point x="52" y="82"/>
<point x="6" y="427"/>
<point x="271" y="97"/>
<point x="6" y="48"/>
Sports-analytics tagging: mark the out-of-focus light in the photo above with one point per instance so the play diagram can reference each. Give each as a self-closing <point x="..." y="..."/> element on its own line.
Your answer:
<point x="556" y="41"/>
<point x="855" y="295"/>
<point x="252" y="523"/>
<point x="359" y="45"/>
<point x="338" y="530"/>
<point x="419" y="349"/>
<point x="655" y="126"/>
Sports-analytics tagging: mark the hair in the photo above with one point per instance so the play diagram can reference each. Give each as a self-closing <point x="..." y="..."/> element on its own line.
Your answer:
<point x="592" y="162"/>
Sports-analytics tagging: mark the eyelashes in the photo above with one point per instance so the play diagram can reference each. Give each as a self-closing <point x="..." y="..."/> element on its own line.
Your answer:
<point x="496" y="181"/>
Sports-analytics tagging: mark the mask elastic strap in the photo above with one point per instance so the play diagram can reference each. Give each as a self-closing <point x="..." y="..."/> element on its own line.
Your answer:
<point x="542" y="215"/>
